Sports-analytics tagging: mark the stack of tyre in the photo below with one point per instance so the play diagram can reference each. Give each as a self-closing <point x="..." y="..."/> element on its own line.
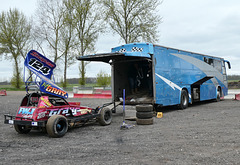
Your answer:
<point x="144" y="114"/>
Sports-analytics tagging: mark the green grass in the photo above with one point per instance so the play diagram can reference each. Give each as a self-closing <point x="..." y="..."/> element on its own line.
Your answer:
<point x="72" y="85"/>
<point x="11" y="88"/>
<point x="233" y="81"/>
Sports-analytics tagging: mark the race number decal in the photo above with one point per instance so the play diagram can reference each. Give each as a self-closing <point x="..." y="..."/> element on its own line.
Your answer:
<point x="39" y="66"/>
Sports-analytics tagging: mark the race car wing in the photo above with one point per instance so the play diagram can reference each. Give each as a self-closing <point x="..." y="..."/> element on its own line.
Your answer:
<point x="43" y="68"/>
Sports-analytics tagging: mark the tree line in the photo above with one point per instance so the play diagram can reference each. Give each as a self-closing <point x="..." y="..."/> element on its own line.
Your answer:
<point x="234" y="77"/>
<point x="64" y="29"/>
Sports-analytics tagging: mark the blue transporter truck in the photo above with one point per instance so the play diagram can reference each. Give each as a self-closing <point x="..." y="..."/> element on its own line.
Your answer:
<point x="163" y="76"/>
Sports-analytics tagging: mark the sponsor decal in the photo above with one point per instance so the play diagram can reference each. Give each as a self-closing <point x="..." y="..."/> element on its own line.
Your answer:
<point x="53" y="90"/>
<point x="26" y="111"/>
<point x="66" y="111"/>
<point x="56" y="91"/>
<point x="35" y="54"/>
<point x="27" y="116"/>
<point x="44" y="102"/>
<point x="85" y="111"/>
<point x="41" y="115"/>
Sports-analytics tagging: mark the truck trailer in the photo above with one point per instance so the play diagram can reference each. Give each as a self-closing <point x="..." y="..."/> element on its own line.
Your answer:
<point x="163" y="76"/>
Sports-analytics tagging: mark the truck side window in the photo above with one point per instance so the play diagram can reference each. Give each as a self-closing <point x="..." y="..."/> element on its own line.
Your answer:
<point x="208" y="61"/>
<point x="218" y="65"/>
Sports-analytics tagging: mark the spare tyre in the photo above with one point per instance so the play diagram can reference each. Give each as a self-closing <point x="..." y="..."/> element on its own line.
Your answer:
<point x="144" y="115"/>
<point x="145" y="121"/>
<point x="144" y="108"/>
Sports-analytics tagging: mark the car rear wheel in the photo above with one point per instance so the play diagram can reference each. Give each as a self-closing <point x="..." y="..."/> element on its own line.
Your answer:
<point x="22" y="129"/>
<point x="57" y="126"/>
<point x="105" y="117"/>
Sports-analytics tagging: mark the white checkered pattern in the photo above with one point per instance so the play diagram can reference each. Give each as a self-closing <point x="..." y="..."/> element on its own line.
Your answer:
<point x="122" y="50"/>
<point x="136" y="49"/>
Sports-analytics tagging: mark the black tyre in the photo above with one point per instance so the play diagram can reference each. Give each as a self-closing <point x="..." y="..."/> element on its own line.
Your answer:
<point x="218" y="95"/>
<point x="184" y="100"/>
<point x="144" y="115"/>
<point x="57" y="126"/>
<point x="105" y="117"/>
<point x="145" y="121"/>
<point x="144" y="108"/>
<point x="22" y="129"/>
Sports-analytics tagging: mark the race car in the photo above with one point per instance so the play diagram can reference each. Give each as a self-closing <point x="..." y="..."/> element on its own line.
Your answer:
<point x="47" y="109"/>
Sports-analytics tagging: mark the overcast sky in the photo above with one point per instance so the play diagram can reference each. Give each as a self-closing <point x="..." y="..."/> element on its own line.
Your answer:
<point x="210" y="27"/>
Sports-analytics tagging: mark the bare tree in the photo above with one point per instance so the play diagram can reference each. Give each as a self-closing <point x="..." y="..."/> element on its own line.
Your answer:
<point x="70" y="27"/>
<point x="15" y="35"/>
<point x="50" y="18"/>
<point x="87" y="14"/>
<point x="56" y="29"/>
<point x="133" y="20"/>
<point x="67" y="39"/>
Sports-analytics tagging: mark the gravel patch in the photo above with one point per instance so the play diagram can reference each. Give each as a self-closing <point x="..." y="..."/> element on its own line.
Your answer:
<point x="204" y="133"/>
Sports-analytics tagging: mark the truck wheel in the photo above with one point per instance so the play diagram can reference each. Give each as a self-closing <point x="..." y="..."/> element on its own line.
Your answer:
<point x="218" y="95"/>
<point x="144" y="108"/>
<point x="144" y="115"/>
<point x="184" y="100"/>
<point x="22" y="129"/>
<point x="145" y="121"/>
<point x="57" y="126"/>
<point x="105" y="117"/>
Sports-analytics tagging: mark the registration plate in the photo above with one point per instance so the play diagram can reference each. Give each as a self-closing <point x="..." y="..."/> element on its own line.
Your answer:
<point x="34" y="124"/>
<point x="10" y="121"/>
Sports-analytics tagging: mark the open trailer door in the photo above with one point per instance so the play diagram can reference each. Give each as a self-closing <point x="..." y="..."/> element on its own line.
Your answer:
<point x="124" y="60"/>
<point x="124" y="52"/>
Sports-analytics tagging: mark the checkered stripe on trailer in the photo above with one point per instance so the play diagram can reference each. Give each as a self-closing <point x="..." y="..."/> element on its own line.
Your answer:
<point x="122" y="50"/>
<point x="136" y="49"/>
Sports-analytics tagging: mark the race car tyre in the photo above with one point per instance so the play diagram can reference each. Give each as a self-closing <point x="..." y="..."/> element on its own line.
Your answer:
<point x="144" y="115"/>
<point x="184" y="100"/>
<point x="22" y="129"/>
<point x="144" y="108"/>
<point x="144" y="121"/>
<point x="57" y="126"/>
<point x="105" y="117"/>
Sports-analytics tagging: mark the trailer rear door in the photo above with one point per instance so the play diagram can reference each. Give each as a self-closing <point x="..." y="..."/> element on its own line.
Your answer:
<point x="124" y="52"/>
<point x="122" y="59"/>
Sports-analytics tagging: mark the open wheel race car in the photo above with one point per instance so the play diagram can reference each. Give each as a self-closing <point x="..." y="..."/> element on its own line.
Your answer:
<point x="48" y="110"/>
